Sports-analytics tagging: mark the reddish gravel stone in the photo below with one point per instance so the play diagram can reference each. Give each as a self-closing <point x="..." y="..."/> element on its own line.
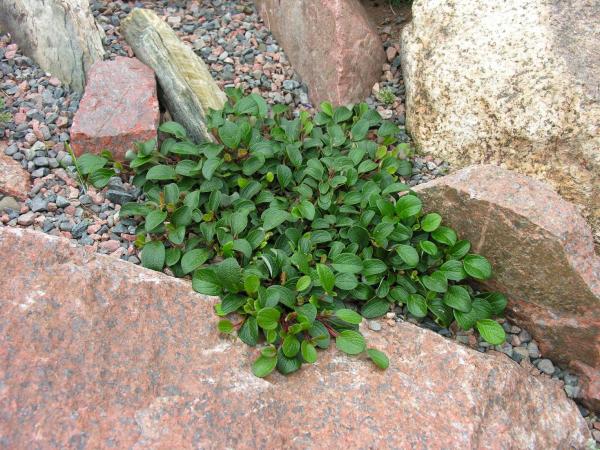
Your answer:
<point x="541" y="250"/>
<point x="119" y="108"/>
<point x="14" y="180"/>
<point x="97" y="350"/>
<point x="331" y="44"/>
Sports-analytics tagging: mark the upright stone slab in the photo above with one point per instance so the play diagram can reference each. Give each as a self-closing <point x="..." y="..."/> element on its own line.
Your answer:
<point x="118" y="109"/>
<point x="98" y="353"/>
<point x="541" y="250"/>
<point x="60" y="35"/>
<point x="331" y="44"/>
<point x="513" y="83"/>
<point x="188" y="89"/>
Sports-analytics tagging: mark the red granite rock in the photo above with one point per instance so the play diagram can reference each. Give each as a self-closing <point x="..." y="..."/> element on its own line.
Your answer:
<point x="119" y="108"/>
<point x="542" y="252"/>
<point x="331" y="44"/>
<point x="14" y="180"/>
<point x="96" y="352"/>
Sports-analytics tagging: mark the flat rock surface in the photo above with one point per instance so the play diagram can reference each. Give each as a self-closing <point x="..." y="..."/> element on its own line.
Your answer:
<point x="188" y="89"/>
<point x="332" y="45"/>
<point x="96" y="352"/>
<point x="541" y="250"/>
<point x="14" y="180"/>
<point x="513" y="83"/>
<point x="118" y="109"/>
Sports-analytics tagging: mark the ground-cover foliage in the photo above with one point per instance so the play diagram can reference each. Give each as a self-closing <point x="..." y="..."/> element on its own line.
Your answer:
<point x="4" y="115"/>
<point x="302" y="226"/>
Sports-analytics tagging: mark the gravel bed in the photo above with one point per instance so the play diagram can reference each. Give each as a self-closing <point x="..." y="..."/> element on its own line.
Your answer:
<point x="239" y="51"/>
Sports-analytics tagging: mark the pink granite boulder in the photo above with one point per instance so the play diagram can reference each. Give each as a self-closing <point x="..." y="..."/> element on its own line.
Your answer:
<point x="96" y="352"/>
<point x="118" y="109"/>
<point x="543" y="256"/>
<point x="331" y="44"/>
<point x="14" y="180"/>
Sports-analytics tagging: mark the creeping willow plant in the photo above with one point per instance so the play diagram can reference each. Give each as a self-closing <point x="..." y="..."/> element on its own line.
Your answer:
<point x="302" y="226"/>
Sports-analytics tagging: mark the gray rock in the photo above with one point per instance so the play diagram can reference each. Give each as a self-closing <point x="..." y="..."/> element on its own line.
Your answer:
<point x="9" y="203"/>
<point x="533" y="350"/>
<point x="62" y="36"/>
<point x="62" y="202"/>
<point x="374" y="325"/>
<point x="26" y="219"/>
<point x="39" y="204"/>
<point x="79" y="228"/>
<point x="546" y="366"/>
<point x="119" y="197"/>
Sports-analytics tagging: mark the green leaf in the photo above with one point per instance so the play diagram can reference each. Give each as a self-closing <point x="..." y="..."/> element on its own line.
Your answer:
<point x="248" y="333"/>
<point x="460" y="249"/>
<point x="205" y="282"/>
<point x="303" y="283"/>
<point x="231" y="303"/>
<point x="89" y="163"/>
<point x="327" y="108"/>
<point x="458" y="297"/>
<point x="273" y="217"/>
<point x="154" y="219"/>
<point x="173" y="128"/>
<point x="453" y="269"/>
<point x="194" y="259"/>
<point x="359" y="130"/>
<point x="210" y="166"/>
<point x="253" y="164"/>
<point x="290" y="346"/>
<point x="477" y="266"/>
<point x="172" y="256"/>
<point x="408" y="254"/>
<point x="373" y="267"/>
<point x="431" y="222"/>
<point x="229" y="274"/>
<point x="326" y="277"/>
<point x="251" y="284"/>
<point x="346" y="281"/>
<point x="428" y="247"/>
<point x="225" y="326"/>
<point x="358" y="235"/>
<point x="374" y="308"/>
<point x="263" y="366"/>
<point x="230" y="134"/>
<point x="408" y="206"/>
<point x="101" y="177"/>
<point x="379" y="358"/>
<point x="395" y="187"/>
<point x="491" y="331"/>
<point x="341" y="114"/>
<point x="436" y="282"/>
<point x="320" y="335"/>
<point x="287" y="365"/>
<point x="347" y="315"/>
<point x="133" y="209"/>
<point x="268" y="318"/>
<point x="417" y="305"/>
<point x="307" y="209"/>
<point x="284" y="175"/>
<point x="347" y="263"/>
<point x="351" y="342"/>
<point x="309" y="353"/>
<point x="161" y="172"/>
<point x="444" y="235"/>
<point x="153" y="255"/>
<point x="497" y="300"/>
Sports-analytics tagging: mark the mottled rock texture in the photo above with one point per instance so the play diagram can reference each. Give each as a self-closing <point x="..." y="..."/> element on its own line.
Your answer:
<point x="188" y="89"/>
<point x="331" y="44"/>
<point x="100" y="352"/>
<point x="541" y="250"/>
<point x="119" y="108"/>
<point x="513" y="83"/>
<point x="14" y="180"/>
<point x="60" y="35"/>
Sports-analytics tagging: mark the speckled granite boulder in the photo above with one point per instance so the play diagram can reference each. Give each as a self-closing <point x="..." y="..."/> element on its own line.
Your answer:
<point x="513" y="83"/>
<point x="118" y="109"/>
<point x="99" y="353"/>
<point x="541" y="250"/>
<point x="60" y="35"/>
<point x="331" y="44"/>
<point x="188" y="89"/>
<point x="14" y="180"/>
